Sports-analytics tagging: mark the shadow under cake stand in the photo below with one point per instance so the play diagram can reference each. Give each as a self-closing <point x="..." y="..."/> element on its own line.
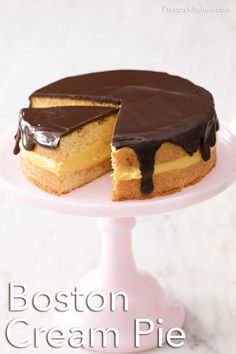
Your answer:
<point x="147" y="298"/>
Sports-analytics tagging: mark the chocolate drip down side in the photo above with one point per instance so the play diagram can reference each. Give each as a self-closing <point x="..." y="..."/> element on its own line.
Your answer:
<point x="203" y="138"/>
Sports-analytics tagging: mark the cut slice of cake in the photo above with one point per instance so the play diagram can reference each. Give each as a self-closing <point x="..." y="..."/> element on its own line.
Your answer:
<point x="60" y="162"/>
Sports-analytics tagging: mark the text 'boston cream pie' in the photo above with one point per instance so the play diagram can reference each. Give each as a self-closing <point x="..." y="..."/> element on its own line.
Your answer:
<point x="156" y="131"/>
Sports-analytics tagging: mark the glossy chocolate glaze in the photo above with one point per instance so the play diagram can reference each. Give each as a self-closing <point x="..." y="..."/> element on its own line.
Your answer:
<point x="154" y="108"/>
<point x="46" y="126"/>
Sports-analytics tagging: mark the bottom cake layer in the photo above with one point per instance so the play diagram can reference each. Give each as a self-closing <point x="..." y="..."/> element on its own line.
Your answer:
<point x="165" y="183"/>
<point x="64" y="184"/>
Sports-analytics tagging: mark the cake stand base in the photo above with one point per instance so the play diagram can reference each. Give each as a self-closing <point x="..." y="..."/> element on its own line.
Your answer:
<point x="144" y="296"/>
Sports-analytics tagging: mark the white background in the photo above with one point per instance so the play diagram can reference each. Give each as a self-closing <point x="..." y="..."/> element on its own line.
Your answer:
<point x="192" y="250"/>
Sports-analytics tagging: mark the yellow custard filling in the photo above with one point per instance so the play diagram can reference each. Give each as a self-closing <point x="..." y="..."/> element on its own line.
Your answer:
<point x="87" y="157"/>
<point x="98" y="152"/>
<point x="128" y="173"/>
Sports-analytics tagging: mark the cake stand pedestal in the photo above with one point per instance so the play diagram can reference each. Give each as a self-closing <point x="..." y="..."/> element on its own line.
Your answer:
<point x="147" y="299"/>
<point x="117" y="272"/>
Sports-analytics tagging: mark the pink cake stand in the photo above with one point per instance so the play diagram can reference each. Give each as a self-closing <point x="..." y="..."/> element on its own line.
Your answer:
<point x="117" y="271"/>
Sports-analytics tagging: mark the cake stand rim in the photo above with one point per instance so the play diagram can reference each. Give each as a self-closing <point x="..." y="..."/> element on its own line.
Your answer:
<point x="132" y="208"/>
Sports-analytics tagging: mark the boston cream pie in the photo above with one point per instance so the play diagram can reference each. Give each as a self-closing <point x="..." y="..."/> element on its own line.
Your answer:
<point x="157" y="132"/>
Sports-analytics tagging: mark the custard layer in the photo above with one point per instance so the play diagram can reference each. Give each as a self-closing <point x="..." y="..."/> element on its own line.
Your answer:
<point x="86" y="158"/>
<point x="98" y="152"/>
<point x="128" y="173"/>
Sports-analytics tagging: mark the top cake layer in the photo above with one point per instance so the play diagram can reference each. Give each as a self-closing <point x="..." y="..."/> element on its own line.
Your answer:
<point x="153" y="108"/>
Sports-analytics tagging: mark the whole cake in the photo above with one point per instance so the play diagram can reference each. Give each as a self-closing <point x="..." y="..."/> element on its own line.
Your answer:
<point x="156" y="131"/>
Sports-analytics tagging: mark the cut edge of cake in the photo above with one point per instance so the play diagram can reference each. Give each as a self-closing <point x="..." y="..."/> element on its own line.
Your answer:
<point x="167" y="178"/>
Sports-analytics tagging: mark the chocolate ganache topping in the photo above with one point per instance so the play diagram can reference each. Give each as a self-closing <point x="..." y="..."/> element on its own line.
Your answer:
<point x="153" y="108"/>
<point x="46" y="126"/>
